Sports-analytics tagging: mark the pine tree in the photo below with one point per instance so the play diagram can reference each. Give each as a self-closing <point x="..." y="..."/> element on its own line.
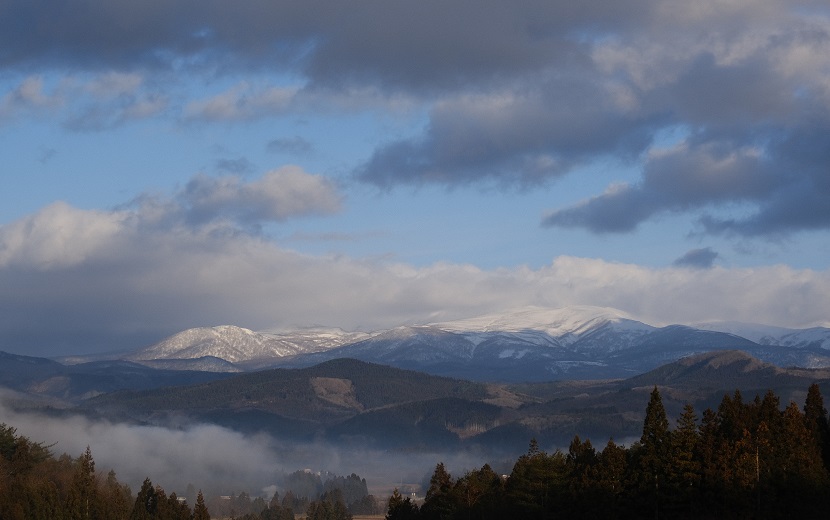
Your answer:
<point x="477" y="494"/>
<point x="200" y="511"/>
<point x="581" y="460"/>
<point x="654" y="448"/>
<point x="116" y="498"/>
<point x="401" y="508"/>
<point x="815" y="417"/>
<point x="537" y="483"/>
<point x="802" y="470"/>
<point x="438" y="504"/>
<point x="146" y="503"/>
<point x="684" y="466"/>
<point x="82" y="499"/>
<point x="611" y="470"/>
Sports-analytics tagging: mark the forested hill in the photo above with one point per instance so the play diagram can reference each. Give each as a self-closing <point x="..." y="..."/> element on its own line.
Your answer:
<point x="348" y="400"/>
<point x="291" y="401"/>
<point x="341" y="383"/>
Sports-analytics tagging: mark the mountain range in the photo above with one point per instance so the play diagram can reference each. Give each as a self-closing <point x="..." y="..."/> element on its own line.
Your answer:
<point x="358" y="404"/>
<point x="531" y="344"/>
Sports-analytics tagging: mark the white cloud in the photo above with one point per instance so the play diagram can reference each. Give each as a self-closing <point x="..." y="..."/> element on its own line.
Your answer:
<point x="30" y="94"/>
<point x="58" y="236"/>
<point x="278" y="195"/>
<point x="82" y="280"/>
<point x="242" y="102"/>
<point x="113" y="84"/>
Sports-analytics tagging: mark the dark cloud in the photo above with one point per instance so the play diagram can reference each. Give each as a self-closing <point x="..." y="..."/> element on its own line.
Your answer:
<point x="516" y="137"/>
<point x="702" y="258"/>
<point x="423" y="44"/>
<point x="516" y="94"/>
<point x="802" y="155"/>
<point x="786" y="181"/>
<point x="679" y="179"/>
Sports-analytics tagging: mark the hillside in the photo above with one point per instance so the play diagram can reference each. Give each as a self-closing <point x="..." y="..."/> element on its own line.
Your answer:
<point x="364" y="404"/>
<point x="71" y="383"/>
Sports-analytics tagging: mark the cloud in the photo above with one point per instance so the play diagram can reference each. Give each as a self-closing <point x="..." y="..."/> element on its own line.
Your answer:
<point x="242" y="102"/>
<point x="83" y="281"/>
<point x="89" y="103"/>
<point x="702" y="258"/>
<point x="29" y="95"/>
<point x="516" y="96"/>
<point x="215" y="459"/>
<point x="280" y="194"/>
<point x="525" y="137"/>
<point x="686" y="177"/>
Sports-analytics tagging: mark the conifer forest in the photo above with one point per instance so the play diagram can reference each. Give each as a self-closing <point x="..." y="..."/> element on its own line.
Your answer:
<point x="749" y="458"/>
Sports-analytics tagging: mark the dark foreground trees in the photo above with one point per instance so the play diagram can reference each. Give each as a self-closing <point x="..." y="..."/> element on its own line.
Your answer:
<point x="34" y="485"/>
<point x="744" y="460"/>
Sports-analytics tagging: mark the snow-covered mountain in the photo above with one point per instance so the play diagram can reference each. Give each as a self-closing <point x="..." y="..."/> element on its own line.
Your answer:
<point x="198" y="348"/>
<point x="532" y="343"/>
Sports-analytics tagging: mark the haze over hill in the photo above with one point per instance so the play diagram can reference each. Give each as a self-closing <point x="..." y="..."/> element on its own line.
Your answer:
<point x="351" y="403"/>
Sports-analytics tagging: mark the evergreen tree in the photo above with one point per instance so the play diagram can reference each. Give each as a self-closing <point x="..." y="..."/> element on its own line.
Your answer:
<point x="146" y="503"/>
<point x="477" y="494"/>
<point x="684" y="469"/>
<point x="582" y="487"/>
<point x="439" y="503"/>
<point x="116" y="498"/>
<point x="200" y="511"/>
<point x="537" y="483"/>
<point x="610" y="481"/>
<point x="815" y="416"/>
<point x="82" y="500"/>
<point x="653" y="451"/>
<point x="401" y="508"/>
<point x="801" y="471"/>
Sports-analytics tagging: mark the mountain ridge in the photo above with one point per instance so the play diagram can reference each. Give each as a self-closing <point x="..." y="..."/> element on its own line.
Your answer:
<point x="531" y="343"/>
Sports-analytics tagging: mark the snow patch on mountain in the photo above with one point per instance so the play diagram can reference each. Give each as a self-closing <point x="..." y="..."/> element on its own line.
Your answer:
<point x="555" y="322"/>
<point x="237" y="344"/>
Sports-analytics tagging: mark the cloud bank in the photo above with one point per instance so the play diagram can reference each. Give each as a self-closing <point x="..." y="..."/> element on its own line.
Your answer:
<point x="81" y="281"/>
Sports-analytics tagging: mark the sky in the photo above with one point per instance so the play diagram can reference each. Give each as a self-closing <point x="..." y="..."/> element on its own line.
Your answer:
<point x="362" y="165"/>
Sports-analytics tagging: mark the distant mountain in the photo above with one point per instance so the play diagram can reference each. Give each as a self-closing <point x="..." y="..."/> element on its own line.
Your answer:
<point x="238" y="345"/>
<point x="531" y="344"/>
<point x="815" y="337"/>
<point x="45" y="378"/>
<point x="589" y="344"/>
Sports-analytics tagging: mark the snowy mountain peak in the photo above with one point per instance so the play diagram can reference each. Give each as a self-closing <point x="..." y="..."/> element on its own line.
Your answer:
<point x="237" y="344"/>
<point x="555" y="322"/>
<point x="531" y="342"/>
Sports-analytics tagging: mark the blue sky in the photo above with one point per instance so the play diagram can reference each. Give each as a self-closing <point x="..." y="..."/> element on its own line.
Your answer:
<point x="275" y="164"/>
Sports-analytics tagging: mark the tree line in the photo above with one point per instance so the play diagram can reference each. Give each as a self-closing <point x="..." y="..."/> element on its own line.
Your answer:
<point x="35" y="485"/>
<point x="747" y="459"/>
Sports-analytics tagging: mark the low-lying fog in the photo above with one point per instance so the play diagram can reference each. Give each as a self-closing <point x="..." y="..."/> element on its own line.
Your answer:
<point x="222" y="461"/>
